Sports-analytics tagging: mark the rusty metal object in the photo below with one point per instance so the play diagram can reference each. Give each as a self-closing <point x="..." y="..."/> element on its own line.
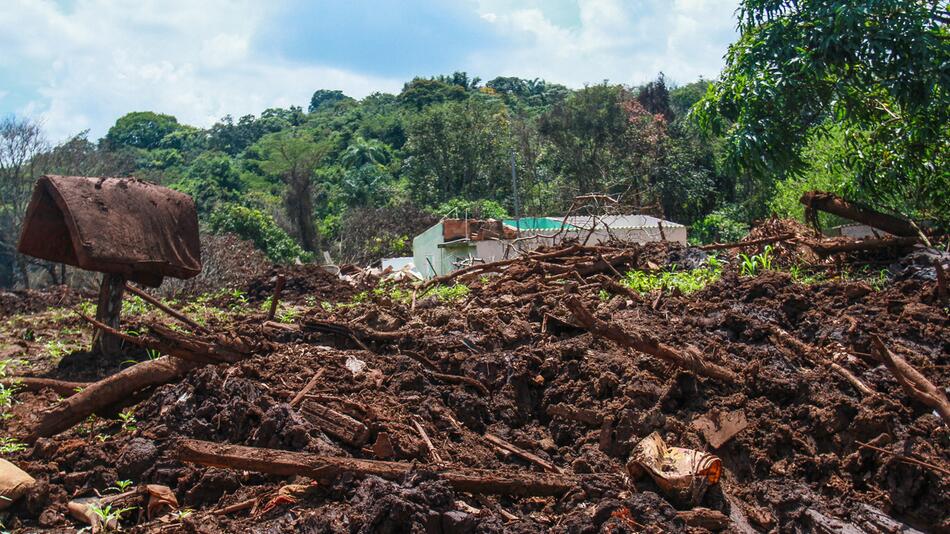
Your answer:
<point x="121" y="226"/>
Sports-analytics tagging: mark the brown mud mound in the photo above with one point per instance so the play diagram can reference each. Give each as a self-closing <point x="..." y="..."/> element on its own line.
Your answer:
<point x="509" y="380"/>
<point x="302" y="281"/>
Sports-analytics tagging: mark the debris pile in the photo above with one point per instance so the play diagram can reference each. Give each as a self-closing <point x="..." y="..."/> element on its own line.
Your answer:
<point x="547" y="394"/>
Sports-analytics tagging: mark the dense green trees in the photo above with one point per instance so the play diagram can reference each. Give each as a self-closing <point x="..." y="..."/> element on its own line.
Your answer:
<point x="845" y="96"/>
<point x="877" y="70"/>
<point x="141" y="129"/>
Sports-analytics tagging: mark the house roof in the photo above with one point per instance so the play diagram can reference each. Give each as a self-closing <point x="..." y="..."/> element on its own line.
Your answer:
<point x="113" y="225"/>
<point x="622" y="221"/>
<point x="535" y="223"/>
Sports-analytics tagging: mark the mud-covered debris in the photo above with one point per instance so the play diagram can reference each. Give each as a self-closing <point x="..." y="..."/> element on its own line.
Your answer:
<point x="14" y="482"/>
<point x="683" y="474"/>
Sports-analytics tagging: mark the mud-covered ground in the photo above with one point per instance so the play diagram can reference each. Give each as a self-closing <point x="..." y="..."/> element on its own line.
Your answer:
<point x="541" y="383"/>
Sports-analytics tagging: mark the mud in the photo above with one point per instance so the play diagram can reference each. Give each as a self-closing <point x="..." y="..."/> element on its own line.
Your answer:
<point x="548" y="387"/>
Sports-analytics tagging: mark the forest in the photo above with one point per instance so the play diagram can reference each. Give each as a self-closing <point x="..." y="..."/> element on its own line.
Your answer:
<point x="357" y="179"/>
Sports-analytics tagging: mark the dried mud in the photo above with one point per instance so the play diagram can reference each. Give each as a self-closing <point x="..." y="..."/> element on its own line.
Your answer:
<point x="549" y="387"/>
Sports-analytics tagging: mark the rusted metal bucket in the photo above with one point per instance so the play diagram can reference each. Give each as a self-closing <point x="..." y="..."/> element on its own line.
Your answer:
<point x="121" y="226"/>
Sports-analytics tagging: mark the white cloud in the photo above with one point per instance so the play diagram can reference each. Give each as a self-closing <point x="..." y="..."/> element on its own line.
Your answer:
<point x="100" y="59"/>
<point x="623" y="41"/>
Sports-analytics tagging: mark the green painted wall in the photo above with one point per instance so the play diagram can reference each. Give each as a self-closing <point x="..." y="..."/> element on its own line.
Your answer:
<point x="427" y="254"/>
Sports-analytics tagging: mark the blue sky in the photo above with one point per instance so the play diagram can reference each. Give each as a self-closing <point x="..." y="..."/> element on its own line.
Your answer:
<point x="80" y="64"/>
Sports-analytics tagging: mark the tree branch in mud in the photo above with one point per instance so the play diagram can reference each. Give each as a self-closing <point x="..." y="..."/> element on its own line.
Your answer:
<point x="170" y="311"/>
<point x="751" y="242"/>
<point x="831" y="203"/>
<point x="914" y="383"/>
<point x="328" y="468"/>
<point x="814" y="355"/>
<point x="690" y="360"/>
<point x="63" y="388"/>
<point x="825" y="249"/>
<point x="107" y="392"/>
<point x="186" y="353"/>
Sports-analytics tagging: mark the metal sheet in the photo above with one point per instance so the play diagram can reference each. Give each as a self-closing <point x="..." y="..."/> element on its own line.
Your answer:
<point x="113" y="225"/>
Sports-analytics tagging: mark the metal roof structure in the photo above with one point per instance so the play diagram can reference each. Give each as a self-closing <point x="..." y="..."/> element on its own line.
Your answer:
<point x="622" y="221"/>
<point x="629" y="222"/>
<point x="113" y="225"/>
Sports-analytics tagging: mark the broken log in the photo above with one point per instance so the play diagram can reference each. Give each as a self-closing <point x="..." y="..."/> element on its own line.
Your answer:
<point x="749" y="243"/>
<point x="828" y="248"/>
<point x="327" y="468"/>
<point x="691" y="359"/>
<point x="914" y="383"/>
<point x="334" y="423"/>
<point x="523" y="454"/>
<point x="63" y="388"/>
<point x="108" y="309"/>
<point x="831" y="203"/>
<point x="497" y="265"/>
<point x="108" y="391"/>
<point x="815" y="356"/>
<point x="705" y="518"/>
<point x="167" y="309"/>
<point x="275" y="298"/>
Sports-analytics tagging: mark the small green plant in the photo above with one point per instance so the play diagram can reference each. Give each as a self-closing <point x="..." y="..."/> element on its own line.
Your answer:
<point x="127" y="417"/>
<point x="446" y="293"/>
<point x="603" y="295"/>
<point x="56" y="349"/>
<point x="684" y="281"/>
<point x="752" y="265"/>
<point x="880" y="280"/>
<point x="183" y="513"/>
<point x="134" y="305"/>
<point x="120" y="486"/>
<point x="10" y="445"/>
<point x="89" y="428"/>
<point x="107" y="514"/>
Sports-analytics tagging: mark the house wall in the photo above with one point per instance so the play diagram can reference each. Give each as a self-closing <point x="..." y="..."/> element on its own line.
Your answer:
<point x="426" y="246"/>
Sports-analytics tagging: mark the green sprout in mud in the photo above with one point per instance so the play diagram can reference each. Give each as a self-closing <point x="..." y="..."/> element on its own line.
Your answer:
<point x="127" y="417"/>
<point x="685" y="281"/>
<point x="603" y="295"/>
<point x="10" y="445"/>
<point x="150" y="354"/>
<point x="134" y="305"/>
<point x="183" y="513"/>
<point x="107" y="514"/>
<point x="7" y="391"/>
<point x="120" y="486"/>
<point x="89" y="426"/>
<point x="752" y="265"/>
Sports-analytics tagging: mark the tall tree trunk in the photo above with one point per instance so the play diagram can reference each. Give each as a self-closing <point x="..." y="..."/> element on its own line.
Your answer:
<point x="108" y="310"/>
<point x="24" y="272"/>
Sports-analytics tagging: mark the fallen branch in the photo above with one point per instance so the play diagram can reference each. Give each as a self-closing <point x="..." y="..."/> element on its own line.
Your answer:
<point x="108" y="391"/>
<point x="690" y="360"/>
<point x="170" y="311"/>
<point x="523" y="454"/>
<point x="326" y="469"/>
<point x="749" y="243"/>
<point x="275" y="298"/>
<point x="63" y="388"/>
<point x="425" y="437"/>
<point x="814" y="355"/>
<point x="831" y="203"/>
<point x="307" y="388"/>
<point x="824" y="249"/>
<point x="906" y="459"/>
<point x="914" y="383"/>
<point x="497" y="265"/>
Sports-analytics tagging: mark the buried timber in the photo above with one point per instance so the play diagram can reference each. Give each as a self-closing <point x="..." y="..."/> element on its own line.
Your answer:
<point x="620" y="388"/>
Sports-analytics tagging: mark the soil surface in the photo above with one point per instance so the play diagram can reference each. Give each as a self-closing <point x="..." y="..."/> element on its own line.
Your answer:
<point x="509" y="359"/>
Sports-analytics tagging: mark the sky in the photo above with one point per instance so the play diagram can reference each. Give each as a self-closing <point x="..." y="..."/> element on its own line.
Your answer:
<point x="81" y="64"/>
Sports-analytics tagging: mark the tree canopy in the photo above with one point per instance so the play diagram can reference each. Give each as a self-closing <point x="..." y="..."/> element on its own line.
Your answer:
<point x="878" y="70"/>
